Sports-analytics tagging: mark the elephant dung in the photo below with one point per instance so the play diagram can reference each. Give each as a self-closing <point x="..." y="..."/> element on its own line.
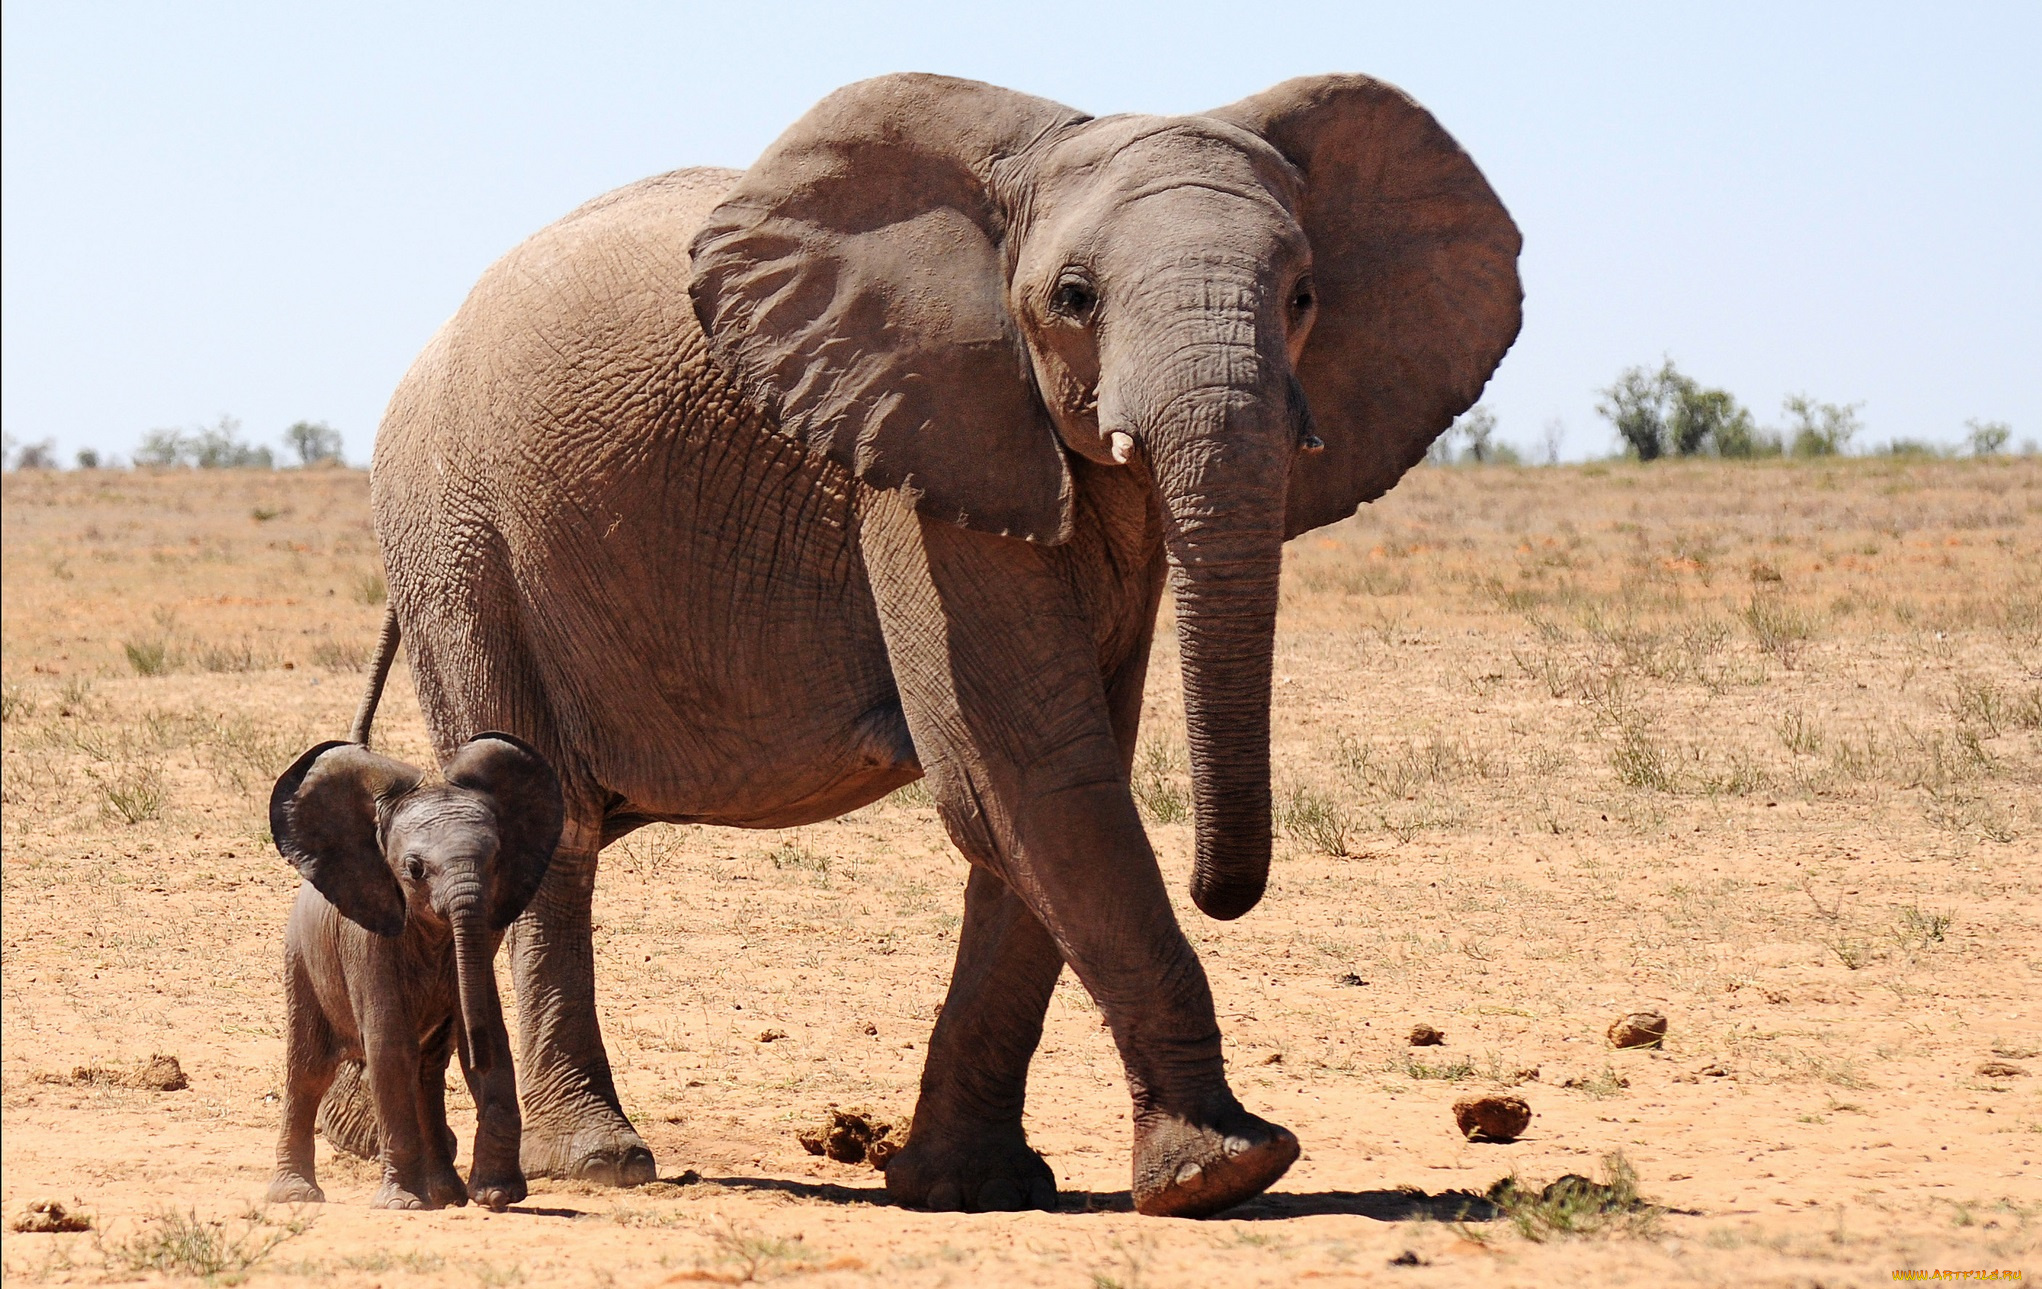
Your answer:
<point x="853" y="1137"/>
<point x="48" y="1217"/>
<point x="158" y="1074"/>
<point x="1639" y="1029"/>
<point x="1426" y="1036"/>
<point x="1492" y="1118"/>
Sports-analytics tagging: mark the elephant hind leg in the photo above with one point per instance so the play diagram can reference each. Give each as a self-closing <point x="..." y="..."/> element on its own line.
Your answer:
<point x="573" y="1123"/>
<point x="347" y="1113"/>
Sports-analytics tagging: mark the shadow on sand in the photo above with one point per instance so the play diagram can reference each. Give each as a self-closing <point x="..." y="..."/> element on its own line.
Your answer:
<point x="1401" y="1205"/>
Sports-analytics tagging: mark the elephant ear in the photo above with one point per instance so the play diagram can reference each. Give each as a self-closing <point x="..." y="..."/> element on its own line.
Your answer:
<point x="1415" y="268"/>
<point x="524" y="795"/>
<point x="853" y="283"/>
<point x="326" y="814"/>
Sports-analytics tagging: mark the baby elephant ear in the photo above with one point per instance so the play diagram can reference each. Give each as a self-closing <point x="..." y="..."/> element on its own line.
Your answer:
<point x="853" y="283"/>
<point x="524" y="793"/>
<point x="326" y="814"/>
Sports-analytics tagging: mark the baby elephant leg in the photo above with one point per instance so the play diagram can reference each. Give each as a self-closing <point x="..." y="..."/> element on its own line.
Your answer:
<point x="392" y="1049"/>
<point x="309" y="1064"/>
<point x="443" y="1184"/>
<point x="495" y="1180"/>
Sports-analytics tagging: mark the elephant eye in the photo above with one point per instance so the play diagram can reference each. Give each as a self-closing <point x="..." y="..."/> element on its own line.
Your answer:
<point x="416" y="867"/>
<point x="1073" y="298"/>
<point x="1301" y="297"/>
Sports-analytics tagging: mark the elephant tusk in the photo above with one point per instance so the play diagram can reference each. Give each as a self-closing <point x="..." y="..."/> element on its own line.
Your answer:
<point x="1122" y="445"/>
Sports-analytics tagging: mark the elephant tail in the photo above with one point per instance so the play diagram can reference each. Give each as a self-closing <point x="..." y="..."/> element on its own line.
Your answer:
<point x="386" y="653"/>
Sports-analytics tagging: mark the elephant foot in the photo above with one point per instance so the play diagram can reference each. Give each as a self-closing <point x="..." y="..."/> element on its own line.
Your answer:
<point x="603" y="1149"/>
<point x="498" y="1191"/>
<point x="444" y="1188"/>
<point x="292" y="1188"/>
<point x="1184" y="1169"/>
<point x="394" y="1194"/>
<point x="976" y="1173"/>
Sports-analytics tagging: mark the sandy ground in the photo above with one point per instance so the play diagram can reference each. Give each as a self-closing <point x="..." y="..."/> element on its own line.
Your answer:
<point x="1758" y="747"/>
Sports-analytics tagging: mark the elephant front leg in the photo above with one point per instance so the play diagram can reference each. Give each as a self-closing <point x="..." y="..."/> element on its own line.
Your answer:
<point x="998" y="675"/>
<point x="308" y="1071"/>
<point x="495" y="1178"/>
<point x="390" y="1044"/>
<point x="573" y="1123"/>
<point x="443" y="1185"/>
<point x="966" y="1149"/>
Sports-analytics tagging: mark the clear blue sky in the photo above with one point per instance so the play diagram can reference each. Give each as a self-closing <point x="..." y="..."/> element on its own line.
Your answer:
<point x="266" y="209"/>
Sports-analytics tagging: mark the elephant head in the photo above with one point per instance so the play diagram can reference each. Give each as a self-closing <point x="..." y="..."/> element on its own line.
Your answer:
<point x="1272" y="309"/>
<point x="465" y="854"/>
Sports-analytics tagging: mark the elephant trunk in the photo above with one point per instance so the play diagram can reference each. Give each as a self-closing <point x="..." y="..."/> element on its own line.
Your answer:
<point x="1221" y="459"/>
<point x="475" y="978"/>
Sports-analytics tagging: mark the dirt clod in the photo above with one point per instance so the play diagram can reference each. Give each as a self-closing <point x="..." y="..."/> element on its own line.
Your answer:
<point x="157" y="1074"/>
<point x="771" y="1035"/>
<point x="1492" y="1118"/>
<point x="853" y="1137"/>
<point x="48" y="1217"/>
<point x="1426" y="1036"/>
<point x="2000" y="1070"/>
<point x="1639" y="1029"/>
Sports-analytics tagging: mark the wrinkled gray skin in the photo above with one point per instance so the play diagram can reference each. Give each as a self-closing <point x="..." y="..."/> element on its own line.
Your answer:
<point x="748" y="498"/>
<point x="389" y="955"/>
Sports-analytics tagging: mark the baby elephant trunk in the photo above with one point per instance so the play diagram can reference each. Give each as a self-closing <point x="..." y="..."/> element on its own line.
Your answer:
<point x="475" y="976"/>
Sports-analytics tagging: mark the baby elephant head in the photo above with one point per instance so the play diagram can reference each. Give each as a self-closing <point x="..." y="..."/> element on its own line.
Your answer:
<point x="383" y="846"/>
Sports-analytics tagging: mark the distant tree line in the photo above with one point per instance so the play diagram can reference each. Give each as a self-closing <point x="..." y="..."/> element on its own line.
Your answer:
<point x="219" y="446"/>
<point x="1664" y="412"/>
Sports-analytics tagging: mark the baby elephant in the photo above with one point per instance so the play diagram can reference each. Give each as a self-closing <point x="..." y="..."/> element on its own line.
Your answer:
<point x="388" y="955"/>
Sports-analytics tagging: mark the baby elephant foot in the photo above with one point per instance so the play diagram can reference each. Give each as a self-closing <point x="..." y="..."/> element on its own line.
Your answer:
<point x="970" y="1174"/>
<point x="1191" y="1170"/>
<point x="291" y="1188"/>
<point x="499" y="1191"/>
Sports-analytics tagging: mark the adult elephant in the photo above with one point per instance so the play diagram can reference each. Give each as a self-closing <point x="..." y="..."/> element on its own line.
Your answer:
<point x="748" y="498"/>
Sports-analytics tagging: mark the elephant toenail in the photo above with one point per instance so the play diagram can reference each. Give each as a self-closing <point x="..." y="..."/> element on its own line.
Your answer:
<point x="1237" y="1146"/>
<point x="1191" y="1176"/>
<point x="944" y="1197"/>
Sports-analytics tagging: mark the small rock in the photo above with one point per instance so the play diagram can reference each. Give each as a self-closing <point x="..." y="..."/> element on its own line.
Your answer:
<point x="1492" y="1118"/>
<point x="2001" y="1070"/>
<point x="1712" y="1070"/>
<point x="1274" y="1058"/>
<point x="868" y="1028"/>
<point x="1426" y="1036"/>
<point x="48" y="1217"/>
<point x="1529" y="1074"/>
<point x="772" y="1035"/>
<point x="1639" y="1029"/>
<point x="1409" y="1258"/>
<point x="2015" y="1053"/>
<point x="1351" y="980"/>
